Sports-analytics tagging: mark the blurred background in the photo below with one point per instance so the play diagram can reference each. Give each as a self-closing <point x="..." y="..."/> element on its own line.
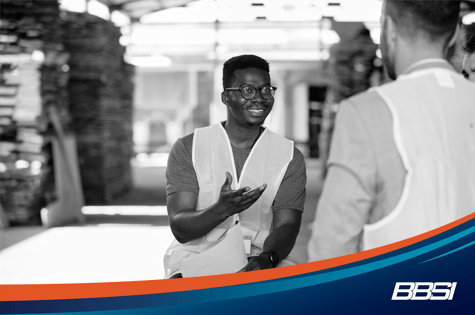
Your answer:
<point x="93" y="94"/>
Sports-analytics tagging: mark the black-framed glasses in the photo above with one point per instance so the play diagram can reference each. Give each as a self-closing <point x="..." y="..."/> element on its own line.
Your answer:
<point x="248" y="91"/>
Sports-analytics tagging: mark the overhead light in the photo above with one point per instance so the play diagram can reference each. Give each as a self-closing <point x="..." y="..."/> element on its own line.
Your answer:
<point x="375" y="34"/>
<point x="257" y="36"/>
<point x="329" y="37"/>
<point x="73" y="5"/>
<point x="96" y="8"/>
<point x="180" y="15"/>
<point x="21" y="164"/>
<point x="284" y="55"/>
<point x="379" y="54"/>
<point x="119" y="18"/>
<point x="238" y="15"/>
<point x="469" y="18"/>
<point x="125" y="40"/>
<point x="362" y="4"/>
<point x="359" y="15"/>
<point x="156" y="61"/>
<point x="38" y="55"/>
<point x="300" y="14"/>
<point x="172" y="35"/>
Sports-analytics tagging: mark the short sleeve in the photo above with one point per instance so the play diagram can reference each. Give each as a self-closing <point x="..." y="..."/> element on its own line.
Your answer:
<point x="348" y="192"/>
<point x="180" y="174"/>
<point x="291" y="193"/>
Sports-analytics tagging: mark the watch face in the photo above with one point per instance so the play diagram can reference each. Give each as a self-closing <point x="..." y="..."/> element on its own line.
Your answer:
<point x="275" y="258"/>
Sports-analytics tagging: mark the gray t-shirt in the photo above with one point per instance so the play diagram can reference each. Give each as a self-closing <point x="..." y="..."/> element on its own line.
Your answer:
<point x="181" y="174"/>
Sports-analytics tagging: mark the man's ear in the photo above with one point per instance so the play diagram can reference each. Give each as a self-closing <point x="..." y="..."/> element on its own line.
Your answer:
<point x="224" y="98"/>
<point x="454" y="37"/>
<point x="391" y="32"/>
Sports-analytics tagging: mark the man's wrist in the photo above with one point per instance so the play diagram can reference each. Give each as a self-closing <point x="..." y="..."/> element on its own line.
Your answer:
<point x="272" y="257"/>
<point x="220" y="211"/>
<point x="264" y="261"/>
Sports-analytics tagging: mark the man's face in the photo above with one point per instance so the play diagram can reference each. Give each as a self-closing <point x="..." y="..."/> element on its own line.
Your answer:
<point x="386" y="51"/>
<point x="469" y="67"/>
<point x="251" y="112"/>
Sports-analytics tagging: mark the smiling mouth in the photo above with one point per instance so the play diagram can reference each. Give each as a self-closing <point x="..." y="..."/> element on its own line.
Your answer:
<point x="256" y="111"/>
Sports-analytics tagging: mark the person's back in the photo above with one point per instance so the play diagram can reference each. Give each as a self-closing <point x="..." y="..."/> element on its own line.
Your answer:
<point x="403" y="155"/>
<point x="433" y="119"/>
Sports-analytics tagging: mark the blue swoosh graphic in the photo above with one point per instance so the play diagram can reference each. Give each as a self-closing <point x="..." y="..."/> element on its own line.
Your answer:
<point x="222" y="294"/>
<point x="452" y="251"/>
<point x="290" y="284"/>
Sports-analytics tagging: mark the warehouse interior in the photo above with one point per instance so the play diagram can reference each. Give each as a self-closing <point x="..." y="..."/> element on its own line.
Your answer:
<point x="93" y="94"/>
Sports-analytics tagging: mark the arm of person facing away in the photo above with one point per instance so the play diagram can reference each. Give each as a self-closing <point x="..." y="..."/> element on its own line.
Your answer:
<point x="348" y="193"/>
<point x="188" y="224"/>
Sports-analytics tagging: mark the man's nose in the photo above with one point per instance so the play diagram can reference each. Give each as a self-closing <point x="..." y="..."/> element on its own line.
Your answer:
<point x="258" y="97"/>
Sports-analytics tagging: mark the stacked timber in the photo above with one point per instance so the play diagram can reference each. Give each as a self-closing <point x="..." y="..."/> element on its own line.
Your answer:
<point x="34" y="76"/>
<point x="100" y="90"/>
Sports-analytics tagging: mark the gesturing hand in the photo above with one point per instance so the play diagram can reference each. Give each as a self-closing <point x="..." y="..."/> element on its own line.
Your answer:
<point x="236" y="201"/>
<point x="260" y="262"/>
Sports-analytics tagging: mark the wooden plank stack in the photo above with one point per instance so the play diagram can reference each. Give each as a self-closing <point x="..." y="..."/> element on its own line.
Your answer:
<point x="100" y="90"/>
<point x="34" y="76"/>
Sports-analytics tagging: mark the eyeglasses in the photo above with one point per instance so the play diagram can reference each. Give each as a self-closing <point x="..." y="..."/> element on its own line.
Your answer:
<point x="466" y="75"/>
<point x="248" y="91"/>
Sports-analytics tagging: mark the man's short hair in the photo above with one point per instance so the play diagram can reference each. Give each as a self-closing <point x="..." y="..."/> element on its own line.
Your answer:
<point x="469" y="47"/>
<point x="436" y="19"/>
<point x="240" y="63"/>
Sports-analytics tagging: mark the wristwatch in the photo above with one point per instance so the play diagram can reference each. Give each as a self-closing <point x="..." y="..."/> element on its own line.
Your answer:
<point x="273" y="258"/>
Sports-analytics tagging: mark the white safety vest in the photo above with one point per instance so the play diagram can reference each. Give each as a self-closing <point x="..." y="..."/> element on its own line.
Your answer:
<point x="433" y="114"/>
<point x="212" y="157"/>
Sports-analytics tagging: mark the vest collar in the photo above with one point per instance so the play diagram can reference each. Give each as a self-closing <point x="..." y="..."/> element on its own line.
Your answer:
<point x="262" y="130"/>
<point x="230" y="150"/>
<point x="427" y="64"/>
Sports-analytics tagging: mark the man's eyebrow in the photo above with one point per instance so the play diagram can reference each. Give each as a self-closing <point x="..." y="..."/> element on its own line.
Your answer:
<point x="249" y="84"/>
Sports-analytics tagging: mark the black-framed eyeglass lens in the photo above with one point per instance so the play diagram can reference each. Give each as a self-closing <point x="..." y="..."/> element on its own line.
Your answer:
<point x="248" y="92"/>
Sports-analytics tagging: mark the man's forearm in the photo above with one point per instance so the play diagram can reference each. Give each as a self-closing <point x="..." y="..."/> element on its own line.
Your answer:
<point x="191" y="224"/>
<point x="282" y="239"/>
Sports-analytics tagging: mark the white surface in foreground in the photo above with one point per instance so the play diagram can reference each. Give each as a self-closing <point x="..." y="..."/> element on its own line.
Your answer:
<point x="103" y="253"/>
<point x="125" y="210"/>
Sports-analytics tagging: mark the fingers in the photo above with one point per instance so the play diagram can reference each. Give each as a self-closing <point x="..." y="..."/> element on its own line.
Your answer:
<point x="240" y="199"/>
<point x="252" y="265"/>
<point x="242" y="270"/>
<point x="257" y="191"/>
<point x="227" y="182"/>
<point x="247" y="192"/>
<point x="246" y="268"/>
<point x="239" y="192"/>
<point x="249" y="198"/>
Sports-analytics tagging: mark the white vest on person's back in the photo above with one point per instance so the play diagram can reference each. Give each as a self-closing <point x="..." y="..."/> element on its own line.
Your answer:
<point x="212" y="157"/>
<point x="433" y="114"/>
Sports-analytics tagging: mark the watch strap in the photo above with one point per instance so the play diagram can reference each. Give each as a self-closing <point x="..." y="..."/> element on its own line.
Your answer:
<point x="273" y="257"/>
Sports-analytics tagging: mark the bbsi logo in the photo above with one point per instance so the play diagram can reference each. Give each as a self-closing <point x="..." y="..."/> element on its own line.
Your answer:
<point x="424" y="291"/>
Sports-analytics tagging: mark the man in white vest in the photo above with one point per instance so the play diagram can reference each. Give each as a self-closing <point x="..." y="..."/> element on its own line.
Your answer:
<point x="469" y="59"/>
<point x="402" y="158"/>
<point x="236" y="171"/>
